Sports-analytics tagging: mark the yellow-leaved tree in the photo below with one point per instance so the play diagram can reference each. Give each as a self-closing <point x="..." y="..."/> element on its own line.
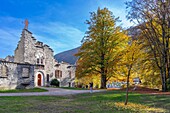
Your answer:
<point x="152" y="18"/>
<point x="130" y="62"/>
<point x="102" y="46"/>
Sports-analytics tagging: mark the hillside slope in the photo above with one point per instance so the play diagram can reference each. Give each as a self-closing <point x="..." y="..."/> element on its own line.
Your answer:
<point x="67" y="56"/>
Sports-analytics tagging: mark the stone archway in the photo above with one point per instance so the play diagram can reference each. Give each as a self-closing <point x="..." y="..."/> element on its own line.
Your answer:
<point x="39" y="79"/>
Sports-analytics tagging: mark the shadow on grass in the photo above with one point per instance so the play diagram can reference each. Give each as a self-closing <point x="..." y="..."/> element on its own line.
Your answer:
<point x="154" y="101"/>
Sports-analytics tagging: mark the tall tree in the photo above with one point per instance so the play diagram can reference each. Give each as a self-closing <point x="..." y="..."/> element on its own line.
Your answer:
<point x="153" y="19"/>
<point x="98" y="53"/>
<point x="148" y="71"/>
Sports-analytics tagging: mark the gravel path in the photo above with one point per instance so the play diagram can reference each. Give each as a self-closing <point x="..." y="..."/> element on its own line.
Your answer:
<point x="51" y="91"/>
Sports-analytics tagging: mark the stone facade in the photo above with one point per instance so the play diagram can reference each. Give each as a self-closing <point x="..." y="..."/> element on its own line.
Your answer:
<point x="65" y="73"/>
<point x="38" y="54"/>
<point x="16" y="75"/>
<point x="33" y="65"/>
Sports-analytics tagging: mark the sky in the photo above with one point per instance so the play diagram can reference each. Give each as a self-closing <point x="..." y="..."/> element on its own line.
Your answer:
<point x="57" y="23"/>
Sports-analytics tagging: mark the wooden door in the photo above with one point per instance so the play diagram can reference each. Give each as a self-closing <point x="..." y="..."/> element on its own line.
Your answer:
<point x="39" y="79"/>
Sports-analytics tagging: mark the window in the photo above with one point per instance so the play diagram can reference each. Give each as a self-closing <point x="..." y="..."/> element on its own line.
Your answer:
<point x="41" y="60"/>
<point x="37" y="60"/>
<point x="48" y="77"/>
<point x="58" y="73"/>
<point x="4" y="71"/>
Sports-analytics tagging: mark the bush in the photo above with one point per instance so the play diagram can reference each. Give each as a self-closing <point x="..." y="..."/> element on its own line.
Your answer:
<point x="55" y="82"/>
<point x="97" y="86"/>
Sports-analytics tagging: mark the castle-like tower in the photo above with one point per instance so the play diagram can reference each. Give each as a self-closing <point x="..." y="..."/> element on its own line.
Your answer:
<point x="36" y="53"/>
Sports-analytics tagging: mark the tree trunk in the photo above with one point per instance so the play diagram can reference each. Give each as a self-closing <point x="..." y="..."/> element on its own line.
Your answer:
<point x="163" y="76"/>
<point x="168" y="52"/>
<point x="127" y="87"/>
<point x="103" y="82"/>
<point x="164" y="81"/>
<point x="127" y="90"/>
<point x="165" y="45"/>
<point x="103" y="76"/>
<point x="168" y="72"/>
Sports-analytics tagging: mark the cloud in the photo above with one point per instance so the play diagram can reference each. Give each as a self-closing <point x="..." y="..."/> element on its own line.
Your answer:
<point x="56" y="45"/>
<point x="8" y="43"/>
<point x="57" y="28"/>
<point x="118" y="9"/>
<point x="58" y="35"/>
<point x="10" y="22"/>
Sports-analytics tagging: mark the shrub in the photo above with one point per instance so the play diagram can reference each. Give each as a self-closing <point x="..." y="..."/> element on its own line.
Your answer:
<point x="55" y="82"/>
<point x="97" y="86"/>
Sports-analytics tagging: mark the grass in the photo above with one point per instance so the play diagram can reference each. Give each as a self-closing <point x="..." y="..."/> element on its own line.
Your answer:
<point x="103" y="102"/>
<point x="23" y="90"/>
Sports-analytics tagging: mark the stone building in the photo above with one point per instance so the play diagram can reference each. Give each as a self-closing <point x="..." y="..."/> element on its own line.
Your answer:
<point x="67" y="76"/>
<point x="33" y="65"/>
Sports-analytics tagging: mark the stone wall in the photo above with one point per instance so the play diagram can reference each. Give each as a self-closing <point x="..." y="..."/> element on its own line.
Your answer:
<point x="25" y="75"/>
<point x="25" y="51"/>
<point x="68" y="74"/>
<point x="16" y="75"/>
<point x="49" y="61"/>
<point x="19" y="51"/>
<point x="29" y="47"/>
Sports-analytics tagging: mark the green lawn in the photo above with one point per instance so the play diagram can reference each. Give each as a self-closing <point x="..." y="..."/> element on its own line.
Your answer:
<point x="103" y="102"/>
<point x="23" y="90"/>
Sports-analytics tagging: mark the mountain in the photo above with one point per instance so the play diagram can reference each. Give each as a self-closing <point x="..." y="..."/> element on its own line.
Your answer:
<point x="67" y="56"/>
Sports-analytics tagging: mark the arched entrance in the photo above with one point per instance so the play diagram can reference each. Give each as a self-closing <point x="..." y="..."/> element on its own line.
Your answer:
<point x="39" y="79"/>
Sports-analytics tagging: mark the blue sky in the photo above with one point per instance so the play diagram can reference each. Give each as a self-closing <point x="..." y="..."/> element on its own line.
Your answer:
<point x="58" y="23"/>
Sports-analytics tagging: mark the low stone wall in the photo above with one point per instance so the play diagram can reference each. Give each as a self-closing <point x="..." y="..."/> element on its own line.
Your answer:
<point x="16" y="75"/>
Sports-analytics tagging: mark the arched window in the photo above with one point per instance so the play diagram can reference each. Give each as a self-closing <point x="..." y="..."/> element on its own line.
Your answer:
<point x="39" y="56"/>
<point x="41" y="60"/>
<point x="37" y="60"/>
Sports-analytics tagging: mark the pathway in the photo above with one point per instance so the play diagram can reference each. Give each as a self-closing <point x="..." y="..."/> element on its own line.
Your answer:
<point x="51" y="92"/>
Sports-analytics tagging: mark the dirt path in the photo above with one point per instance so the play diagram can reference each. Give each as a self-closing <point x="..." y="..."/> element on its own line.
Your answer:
<point x="51" y="91"/>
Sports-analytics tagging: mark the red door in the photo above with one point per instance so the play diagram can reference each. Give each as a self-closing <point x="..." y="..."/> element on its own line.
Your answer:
<point x="39" y="79"/>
